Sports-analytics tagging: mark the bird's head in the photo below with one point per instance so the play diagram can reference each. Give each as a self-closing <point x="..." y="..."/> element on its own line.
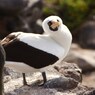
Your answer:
<point x="52" y="24"/>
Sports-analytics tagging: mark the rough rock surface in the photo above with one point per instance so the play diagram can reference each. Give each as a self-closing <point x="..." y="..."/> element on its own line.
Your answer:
<point x="58" y="81"/>
<point x="84" y="58"/>
<point x="63" y="79"/>
<point x="26" y="90"/>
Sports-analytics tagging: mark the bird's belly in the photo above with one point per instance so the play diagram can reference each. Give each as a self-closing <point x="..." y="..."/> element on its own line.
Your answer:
<point x="20" y="67"/>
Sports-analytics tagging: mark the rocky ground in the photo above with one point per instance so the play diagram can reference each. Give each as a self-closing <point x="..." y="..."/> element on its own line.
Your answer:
<point x="85" y="59"/>
<point x="63" y="79"/>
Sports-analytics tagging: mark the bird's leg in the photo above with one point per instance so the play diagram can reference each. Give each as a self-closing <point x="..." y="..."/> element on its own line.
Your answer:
<point x="44" y="79"/>
<point x="24" y="79"/>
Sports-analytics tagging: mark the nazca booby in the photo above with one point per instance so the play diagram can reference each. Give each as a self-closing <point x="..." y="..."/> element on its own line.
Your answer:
<point x="28" y="52"/>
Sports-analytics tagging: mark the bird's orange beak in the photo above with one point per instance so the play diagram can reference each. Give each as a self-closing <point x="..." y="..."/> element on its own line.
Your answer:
<point x="55" y="24"/>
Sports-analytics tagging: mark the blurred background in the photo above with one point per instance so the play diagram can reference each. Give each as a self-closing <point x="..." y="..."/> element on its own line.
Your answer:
<point x="78" y="15"/>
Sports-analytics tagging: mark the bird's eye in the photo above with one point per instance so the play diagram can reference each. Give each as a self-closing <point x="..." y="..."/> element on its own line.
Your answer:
<point x="57" y="20"/>
<point x="49" y="23"/>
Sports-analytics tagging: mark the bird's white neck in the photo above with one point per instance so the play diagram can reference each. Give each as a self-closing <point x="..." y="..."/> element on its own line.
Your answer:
<point x="63" y="38"/>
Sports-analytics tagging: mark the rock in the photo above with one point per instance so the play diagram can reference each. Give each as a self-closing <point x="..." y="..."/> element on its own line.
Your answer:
<point x="70" y="71"/>
<point x="91" y="92"/>
<point x="11" y="93"/>
<point x="84" y="58"/>
<point x="29" y="90"/>
<point x="56" y="80"/>
<point x="21" y="15"/>
<point x="37" y="91"/>
<point x="85" y="34"/>
<point x="6" y="79"/>
<point x="11" y="7"/>
<point x="63" y="79"/>
<point x="87" y="41"/>
<point x="82" y="90"/>
<point x="13" y="74"/>
<point x="61" y="82"/>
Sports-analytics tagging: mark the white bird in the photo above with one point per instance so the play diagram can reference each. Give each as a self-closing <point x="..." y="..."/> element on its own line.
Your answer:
<point x="28" y="52"/>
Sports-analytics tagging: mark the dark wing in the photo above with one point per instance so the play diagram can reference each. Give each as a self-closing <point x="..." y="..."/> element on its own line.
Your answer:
<point x="21" y="52"/>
